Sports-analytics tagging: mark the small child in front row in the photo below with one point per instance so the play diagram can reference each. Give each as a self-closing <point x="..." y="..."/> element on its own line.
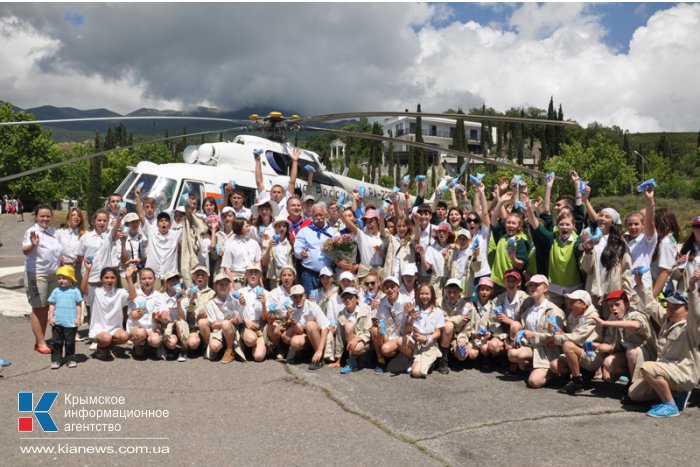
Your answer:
<point x="65" y="314"/>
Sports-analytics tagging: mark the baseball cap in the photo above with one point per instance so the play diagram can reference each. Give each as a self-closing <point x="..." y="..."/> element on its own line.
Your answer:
<point x="539" y="279"/>
<point x="409" y="269"/>
<point x="390" y="279"/>
<point x="254" y="266"/>
<point x="350" y="291"/>
<point x="221" y="277"/>
<point x="228" y="209"/>
<point x="297" y="290"/>
<point x="696" y="222"/>
<point x="677" y="298"/>
<point x="513" y="273"/>
<point x="346" y="275"/>
<point x="308" y="198"/>
<point x="465" y="233"/>
<point x="163" y="215"/>
<point x="455" y="282"/>
<point x="580" y="295"/>
<point x="617" y="295"/>
<point x="325" y="271"/>
<point x="485" y="281"/>
<point x="171" y="275"/>
<point x="180" y="209"/>
<point x="199" y="267"/>
<point x="130" y="217"/>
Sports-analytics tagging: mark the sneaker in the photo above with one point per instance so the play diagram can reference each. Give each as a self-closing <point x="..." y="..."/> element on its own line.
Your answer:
<point x="316" y="366"/>
<point x="681" y="399"/>
<point x="443" y="369"/>
<point x="379" y="370"/>
<point x="93" y="346"/>
<point x="72" y="364"/>
<point x="182" y="357"/>
<point x="279" y="357"/>
<point x="663" y="411"/>
<point x="160" y="353"/>
<point x="572" y="387"/>
<point x="55" y="365"/>
<point x="351" y="366"/>
<point x="104" y="355"/>
<point x="228" y="356"/>
<point x="4" y="363"/>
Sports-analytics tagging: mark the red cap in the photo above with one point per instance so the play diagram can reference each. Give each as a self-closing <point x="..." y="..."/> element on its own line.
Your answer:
<point x="617" y="295"/>
<point x="696" y="222"/>
<point x="513" y="273"/>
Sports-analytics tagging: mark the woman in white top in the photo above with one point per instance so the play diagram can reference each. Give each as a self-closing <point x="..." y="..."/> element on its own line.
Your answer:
<point x="69" y="237"/>
<point x="664" y="258"/>
<point x="278" y="252"/>
<point x="370" y="241"/>
<point x="107" y="302"/>
<point x="240" y="252"/>
<point x="43" y="255"/>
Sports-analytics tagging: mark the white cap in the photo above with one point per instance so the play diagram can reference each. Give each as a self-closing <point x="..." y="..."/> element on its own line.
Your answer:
<point x="227" y="209"/>
<point x="273" y="206"/>
<point x="390" y="279"/>
<point x="464" y="232"/>
<point x="580" y="295"/>
<point x="297" y="290"/>
<point x="409" y="269"/>
<point x="346" y="275"/>
<point x="456" y="282"/>
<point x="325" y="271"/>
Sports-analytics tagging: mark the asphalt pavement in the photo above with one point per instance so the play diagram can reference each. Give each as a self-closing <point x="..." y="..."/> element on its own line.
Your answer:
<point x="273" y="413"/>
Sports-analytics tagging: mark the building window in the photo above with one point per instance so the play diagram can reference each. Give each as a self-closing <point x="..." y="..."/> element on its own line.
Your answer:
<point x="473" y="135"/>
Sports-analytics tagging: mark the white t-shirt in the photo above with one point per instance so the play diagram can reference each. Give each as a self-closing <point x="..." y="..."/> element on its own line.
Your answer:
<point x="253" y="309"/>
<point x="46" y="257"/>
<point x="641" y="251"/>
<point x="70" y="241"/>
<point x="310" y="312"/>
<point x="162" y="250"/>
<point x="366" y="244"/>
<point x="154" y="304"/>
<point x="428" y="321"/>
<point x="239" y="253"/>
<point x="219" y="310"/>
<point x="484" y="235"/>
<point x="106" y="309"/>
<point x="532" y="322"/>
<point x="393" y="316"/>
<point x="99" y="246"/>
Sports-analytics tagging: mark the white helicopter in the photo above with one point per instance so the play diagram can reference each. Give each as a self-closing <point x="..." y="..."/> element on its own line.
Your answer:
<point x="208" y="167"/>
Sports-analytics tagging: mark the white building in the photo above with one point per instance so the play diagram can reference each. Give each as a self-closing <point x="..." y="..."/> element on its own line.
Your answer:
<point x="438" y="132"/>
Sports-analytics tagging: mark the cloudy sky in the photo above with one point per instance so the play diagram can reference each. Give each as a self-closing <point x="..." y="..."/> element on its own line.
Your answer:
<point x="631" y="65"/>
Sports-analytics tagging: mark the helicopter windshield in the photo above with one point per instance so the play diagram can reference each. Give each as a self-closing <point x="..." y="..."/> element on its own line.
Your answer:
<point x="161" y="189"/>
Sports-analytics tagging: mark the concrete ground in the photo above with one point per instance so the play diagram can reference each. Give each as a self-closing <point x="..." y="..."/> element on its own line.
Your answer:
<point x="273" y="413"/>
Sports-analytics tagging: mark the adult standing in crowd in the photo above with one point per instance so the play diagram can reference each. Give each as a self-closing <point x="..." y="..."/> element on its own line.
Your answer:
<point x="308" y="247"/>
<point x="42" y="252"/>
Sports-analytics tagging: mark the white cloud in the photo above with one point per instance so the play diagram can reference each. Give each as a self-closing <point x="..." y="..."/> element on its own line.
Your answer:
<point x="318" y="58"/>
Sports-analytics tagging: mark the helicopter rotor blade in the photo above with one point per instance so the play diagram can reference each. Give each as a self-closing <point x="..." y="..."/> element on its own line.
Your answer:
<point x="102" y="153"/>
<point x="485" y="160"/>
<point x="479" y="118"/>
<point x="106" y="119"/>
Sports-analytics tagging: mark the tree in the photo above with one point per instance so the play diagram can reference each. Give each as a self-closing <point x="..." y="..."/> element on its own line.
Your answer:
<point x="603" y="164"/>
<point x="25" y="147"/>
<point x="94" y="178"/>
<point x="421" y="163"/>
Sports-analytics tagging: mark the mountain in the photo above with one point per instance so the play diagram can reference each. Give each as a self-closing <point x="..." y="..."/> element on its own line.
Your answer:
<point x="82" y="131"/>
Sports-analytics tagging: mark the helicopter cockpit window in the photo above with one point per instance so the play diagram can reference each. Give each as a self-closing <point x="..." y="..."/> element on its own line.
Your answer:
<point x="123" y="186"/>
<point x="162" y="189"/>
<point x="278" y="162"/>
<point x="197" y="188"/>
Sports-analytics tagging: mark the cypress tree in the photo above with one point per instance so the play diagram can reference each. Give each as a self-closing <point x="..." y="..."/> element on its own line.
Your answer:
<point x="420" y="163"/>
<point x="94" y="181"/>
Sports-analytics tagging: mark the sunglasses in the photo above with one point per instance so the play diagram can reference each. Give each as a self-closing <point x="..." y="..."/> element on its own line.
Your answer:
<point x="370" y="284"/>
<point x="471" y="220"/>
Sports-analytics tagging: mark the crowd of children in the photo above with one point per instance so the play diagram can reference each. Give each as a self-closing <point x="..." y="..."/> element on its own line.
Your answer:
<point x="402" y="286"/>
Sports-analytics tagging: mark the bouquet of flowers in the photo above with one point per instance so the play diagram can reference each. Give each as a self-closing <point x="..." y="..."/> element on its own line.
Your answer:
<point x="341" y="247"/>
